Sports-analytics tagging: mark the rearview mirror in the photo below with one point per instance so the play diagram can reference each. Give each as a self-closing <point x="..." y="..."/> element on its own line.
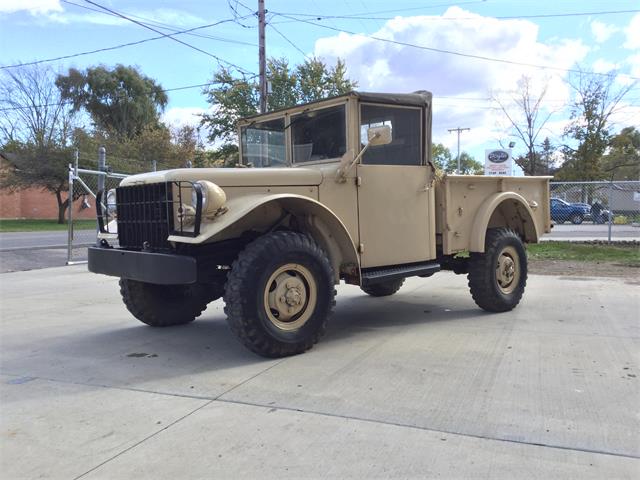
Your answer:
<point x="379" y="135"/>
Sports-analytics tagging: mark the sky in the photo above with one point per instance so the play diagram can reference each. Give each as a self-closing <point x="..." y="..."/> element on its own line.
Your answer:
<point x="465" y="52"/>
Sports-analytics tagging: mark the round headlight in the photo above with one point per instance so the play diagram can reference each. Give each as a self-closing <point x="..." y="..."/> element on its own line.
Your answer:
<point x="194" y="197"/>
<point x="111" y="202"/>
<point x="213" y="197"/>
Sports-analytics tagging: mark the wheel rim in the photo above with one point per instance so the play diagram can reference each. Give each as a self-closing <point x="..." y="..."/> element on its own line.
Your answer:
<point x="508" y="270"/>
<point x="290" y="296"/>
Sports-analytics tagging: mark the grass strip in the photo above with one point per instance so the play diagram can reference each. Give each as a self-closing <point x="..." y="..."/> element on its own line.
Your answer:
<point x="581" y="252"/>
<point x="42" y="225"/>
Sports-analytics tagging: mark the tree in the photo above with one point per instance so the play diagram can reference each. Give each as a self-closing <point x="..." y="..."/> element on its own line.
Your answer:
<point x="441" y="156"/>
<point x="34" y="167"/>
<point x="596" y="100"/>
<point x="32" y="111"/>
<point x="120" y="101"/>
<point x="622" y="161"/>
<point x="546" y="157"/>
<point x="527" y="118"/>
<point x="468" y="165"/>
<point x="35" y="129"/>
<point x="443" y="160"/>
<point x="166" y="148"/>
<point x="232" y="99"/>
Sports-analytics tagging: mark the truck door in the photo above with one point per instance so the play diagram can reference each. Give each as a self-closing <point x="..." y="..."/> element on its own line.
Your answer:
<point x="395" y="196"/>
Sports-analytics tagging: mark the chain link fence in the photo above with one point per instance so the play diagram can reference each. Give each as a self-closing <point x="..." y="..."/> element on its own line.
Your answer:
<point x="606" y="210"/>
<point x="82" y="225"/>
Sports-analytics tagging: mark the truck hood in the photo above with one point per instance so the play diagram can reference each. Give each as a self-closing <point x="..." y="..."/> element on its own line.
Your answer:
<point x="232" y="177"/>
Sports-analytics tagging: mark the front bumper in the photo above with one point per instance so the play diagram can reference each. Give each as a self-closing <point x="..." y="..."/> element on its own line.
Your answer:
<point x="158" y="268"/>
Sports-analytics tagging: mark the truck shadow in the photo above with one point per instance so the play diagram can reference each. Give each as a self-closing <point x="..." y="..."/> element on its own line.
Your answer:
<point x="202" y="358"/>
<point x="208" y="342"/>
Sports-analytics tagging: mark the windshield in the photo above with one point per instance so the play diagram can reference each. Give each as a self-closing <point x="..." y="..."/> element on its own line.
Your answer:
<point x="319" y="134"/>
<point x="263" y="144"/>
<point x="316" y="135"/>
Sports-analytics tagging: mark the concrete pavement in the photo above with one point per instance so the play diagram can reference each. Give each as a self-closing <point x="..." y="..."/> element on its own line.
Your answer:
<point x="421" y="384"/>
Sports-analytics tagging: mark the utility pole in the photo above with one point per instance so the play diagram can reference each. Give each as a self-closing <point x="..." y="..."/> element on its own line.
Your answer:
<point x="459" y="130"/>
<point x="263" y="60"/>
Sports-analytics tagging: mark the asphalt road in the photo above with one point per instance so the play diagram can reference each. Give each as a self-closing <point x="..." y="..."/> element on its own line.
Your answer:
<point x="588" y="231"/>
<point x="419" y="385"/>
<point x="31" y="250"/>
<point x="28" y="240"/>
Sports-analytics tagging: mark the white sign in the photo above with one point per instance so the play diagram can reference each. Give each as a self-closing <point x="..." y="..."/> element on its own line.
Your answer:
<point x="636" y="196"/>
<point x="497" y="161"/>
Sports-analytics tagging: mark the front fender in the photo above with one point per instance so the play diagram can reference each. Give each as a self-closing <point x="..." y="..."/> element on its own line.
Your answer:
<point x="515" y="213"/>
<point x="262" y="212"/>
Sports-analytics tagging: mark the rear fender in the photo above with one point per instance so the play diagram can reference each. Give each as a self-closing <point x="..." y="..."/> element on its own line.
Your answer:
<point x="505" y="209"/>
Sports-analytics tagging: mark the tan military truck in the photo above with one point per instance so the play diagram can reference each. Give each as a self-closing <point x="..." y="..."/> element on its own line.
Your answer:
<point x="340" y="189"/>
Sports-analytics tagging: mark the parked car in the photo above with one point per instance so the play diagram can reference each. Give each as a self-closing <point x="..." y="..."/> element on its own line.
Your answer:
<point x="562" y="211"/>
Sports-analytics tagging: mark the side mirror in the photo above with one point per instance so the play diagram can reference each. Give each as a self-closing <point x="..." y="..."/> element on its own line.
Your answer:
<point x="379" y="135"/>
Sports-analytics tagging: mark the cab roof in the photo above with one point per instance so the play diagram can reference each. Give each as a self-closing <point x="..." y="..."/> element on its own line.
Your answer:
<point x="421" y="98"/>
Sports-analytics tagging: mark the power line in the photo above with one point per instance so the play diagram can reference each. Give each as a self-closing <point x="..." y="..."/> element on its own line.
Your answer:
<point x="166" y="26"/>
<point x="115" y="47"/>
<point x="447" y="52"/>
<point x="288" y="41"/>
<point x="440" y="18"/>
<point x="424" y="7"/>
<point x="188" y="45"/>
<point x="164" y="90"/>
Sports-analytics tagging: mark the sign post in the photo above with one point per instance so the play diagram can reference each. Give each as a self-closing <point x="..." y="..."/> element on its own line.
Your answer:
<point x="498" y="161"/>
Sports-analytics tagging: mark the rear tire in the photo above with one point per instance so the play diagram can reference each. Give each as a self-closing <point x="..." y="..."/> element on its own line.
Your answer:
<point x="164" y="305"/>
<point x="497" y="277"/>
<point x="383" y="289"/>
<point x="279" y="294"/>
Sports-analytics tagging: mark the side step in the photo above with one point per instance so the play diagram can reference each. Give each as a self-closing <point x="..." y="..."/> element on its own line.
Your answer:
<point x="382" y="274"/>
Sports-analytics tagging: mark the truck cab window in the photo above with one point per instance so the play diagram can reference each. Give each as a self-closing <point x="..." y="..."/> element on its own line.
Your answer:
<point x="263" y="144"/>
<point x="406" y="128"/>
<point x="319" y="134"/>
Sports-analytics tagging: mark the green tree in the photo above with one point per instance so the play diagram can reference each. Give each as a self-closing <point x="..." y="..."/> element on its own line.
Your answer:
<point x="588" y="132"/>
<point x="546" y="157"/>
<point x="445" y="161"/>
<point x="622" y="161"/>
<point x="120" y="100"/>
<point x="166" y="148"/>
<point x="468" y="165"/>
<point x="441" y="156"/>
<point x="232" y="99"/>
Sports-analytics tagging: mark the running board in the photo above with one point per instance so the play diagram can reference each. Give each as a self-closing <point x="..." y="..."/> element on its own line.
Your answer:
<point x="382" y="274"/>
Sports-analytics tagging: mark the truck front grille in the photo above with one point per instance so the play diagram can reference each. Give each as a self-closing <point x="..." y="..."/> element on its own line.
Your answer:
<point x="145" y="216"/>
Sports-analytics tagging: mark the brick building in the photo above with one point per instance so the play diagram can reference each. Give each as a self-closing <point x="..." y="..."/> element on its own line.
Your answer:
<point x="35" y="202"/>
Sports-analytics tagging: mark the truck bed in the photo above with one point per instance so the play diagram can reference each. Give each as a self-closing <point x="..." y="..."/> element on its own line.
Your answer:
<point x="462" y="200"/>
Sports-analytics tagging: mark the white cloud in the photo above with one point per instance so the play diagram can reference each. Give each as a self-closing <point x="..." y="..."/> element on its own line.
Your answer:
<point x="634" y="63"/>
<point x="633" y="33"/>
<point x="181" y="116"/>
<point x="602" y="31"/>
<point x="384" y="66"/>
<point x="52" y="11"/>
<point x="35" y="7"/>
<point x="603" y="66"/>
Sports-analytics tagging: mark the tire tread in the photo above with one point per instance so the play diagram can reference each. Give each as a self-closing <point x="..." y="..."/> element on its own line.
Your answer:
<point x="239" y="316"/>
